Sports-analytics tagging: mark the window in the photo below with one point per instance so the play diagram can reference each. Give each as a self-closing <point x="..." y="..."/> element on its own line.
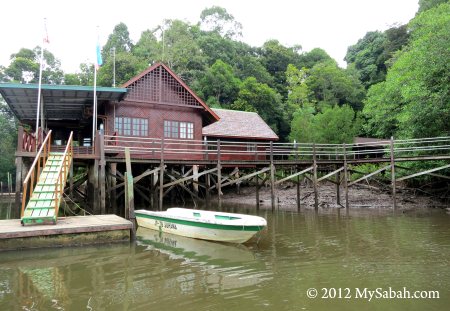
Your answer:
<point x="131" y="126"/>
<point x="176" y="129"/>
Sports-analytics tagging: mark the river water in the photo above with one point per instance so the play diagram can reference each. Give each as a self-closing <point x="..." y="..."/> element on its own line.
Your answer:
<point x="340" y="256"/>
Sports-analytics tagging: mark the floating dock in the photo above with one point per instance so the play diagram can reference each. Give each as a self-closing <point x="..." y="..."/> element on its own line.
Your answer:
<point x="69" y="231"/>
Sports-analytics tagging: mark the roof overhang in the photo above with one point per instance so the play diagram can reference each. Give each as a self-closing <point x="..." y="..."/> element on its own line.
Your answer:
<point x="59" y="102"/>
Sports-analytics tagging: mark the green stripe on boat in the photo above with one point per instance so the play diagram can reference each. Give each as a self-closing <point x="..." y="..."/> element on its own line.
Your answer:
<point x="201" y="224"/>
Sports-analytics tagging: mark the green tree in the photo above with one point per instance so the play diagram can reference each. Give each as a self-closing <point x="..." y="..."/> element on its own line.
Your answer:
<point x="429" y="4"/>
<point x="276" y="57"/>
<point x="8" y="141"/>
<point x="218" y="20"/>
<point x="331" y="85"/>
<point x="337" y="124"/>
<point x="259" y="97"/>
<point x="25" y="64"/>
<point x="366" y="55"/>
<point x="220" y="82"/>
<point x="127" y="66"/>
<point x="416" y="94"/>
<point x="119" y="40"/>
<point x="148" y="48"/>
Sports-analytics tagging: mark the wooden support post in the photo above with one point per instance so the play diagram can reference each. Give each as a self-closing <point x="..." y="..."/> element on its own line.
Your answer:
<point x="129" y="194"/>
<point x="345" y="178"/>
<point x="272" y="178"/>
<point x="316" y="195"/>
<point x="207" y="186"/>
<point x="71" y="180"/>
<point x="195" y="178"/>
<point x="102" y="174"/>
<point x="161" y="177"/>
<point x="338" y="188"/>
<point x="92" y="190"/>
<point x="298" y="192"/>
<point x="113" y="193"/>
<point x="18" y="198"/>
<point x="393" y="173"/>
<point x="219" y="175"/>
<point x="257" y="191"/>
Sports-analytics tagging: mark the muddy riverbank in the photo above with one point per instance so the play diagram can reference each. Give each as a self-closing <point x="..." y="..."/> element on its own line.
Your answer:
<point x="359" y="197"/>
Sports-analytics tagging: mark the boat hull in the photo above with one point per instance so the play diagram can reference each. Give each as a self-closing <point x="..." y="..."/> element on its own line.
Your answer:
<point x="195" y="229"/>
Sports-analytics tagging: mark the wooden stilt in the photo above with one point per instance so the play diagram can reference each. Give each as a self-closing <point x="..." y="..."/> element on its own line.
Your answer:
<point x="102" y="175"/>
<point x="71" y="180"/>
<point x="18" y="198"/>
<point x="272" y="178"/>
<point x="298" y="193"/>
<point x="219" y="175"/>
<point x="338" y="188"/>
<point x="129" y="194"/>
<point x="161" y="177"/>
<point x="207" y="186"/>
<point x="195" y="178"/>
<point x="393" y="173"/>
<point x="316" y="195"/>
<point x="345" y="178"/>
<point x="113" y="193"/>
<point x="257" y="191"/>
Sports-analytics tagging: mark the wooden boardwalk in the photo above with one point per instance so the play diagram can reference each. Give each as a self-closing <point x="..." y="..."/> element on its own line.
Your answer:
<point x="75" y="230"/>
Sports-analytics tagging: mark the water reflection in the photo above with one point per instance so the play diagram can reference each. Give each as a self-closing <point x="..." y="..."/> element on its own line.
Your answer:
<point x="298" y="251"/>
<point x="220" y="266"/>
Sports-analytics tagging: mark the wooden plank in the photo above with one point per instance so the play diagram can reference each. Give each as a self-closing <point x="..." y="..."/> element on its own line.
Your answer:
<point x="394" y="201"/>
<point x="426" y="172"/>
<point x="272" y="178"/>
<point x="316" y="195"/>
<point x="246" y="177"/>
<point x="330" y="174"/>
<point x="294" y="175"/>
<point x="370" y="175"/>
<point x="189" y="177"/>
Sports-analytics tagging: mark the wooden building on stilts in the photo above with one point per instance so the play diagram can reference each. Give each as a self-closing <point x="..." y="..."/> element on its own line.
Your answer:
<point x="172" y="137"/>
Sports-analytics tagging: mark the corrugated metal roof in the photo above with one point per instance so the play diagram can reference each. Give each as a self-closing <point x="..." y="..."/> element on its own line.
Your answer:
<point x="60" y="102"/>
<point x="239" y="124"/>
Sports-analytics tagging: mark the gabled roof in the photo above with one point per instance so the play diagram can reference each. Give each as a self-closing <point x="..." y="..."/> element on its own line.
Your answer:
<point x="212" y="115"/>
<point x="239" y="124"/>
<point x="60" y="102"/>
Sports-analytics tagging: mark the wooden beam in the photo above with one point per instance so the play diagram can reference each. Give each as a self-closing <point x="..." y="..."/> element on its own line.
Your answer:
<point x="272" y="178"/>
<point x="189" y="177"/>
<point x="394" y="201"/>
<point x="102" y="178"/>
<point x="330" y="174"/>
<point x="345" y="177"/>
<point x="370" y="175"/>
<point x="137" y="178"/>
<point x="294" y="175"/>
<point x="426" y="172"/>
<point x="316" y="194"/>
<point x="246" y="177"/>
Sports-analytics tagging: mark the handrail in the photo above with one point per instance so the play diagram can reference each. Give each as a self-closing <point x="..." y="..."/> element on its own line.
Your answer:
<point x="44" y="151"/>
<point x="282" y="150"/>
<point x="62" y="171"/>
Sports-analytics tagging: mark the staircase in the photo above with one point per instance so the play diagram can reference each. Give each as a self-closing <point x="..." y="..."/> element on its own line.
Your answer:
<point x="45" y="182"/>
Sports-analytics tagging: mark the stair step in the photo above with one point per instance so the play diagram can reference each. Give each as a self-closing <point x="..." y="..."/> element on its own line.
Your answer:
<point x="40" y="200"/>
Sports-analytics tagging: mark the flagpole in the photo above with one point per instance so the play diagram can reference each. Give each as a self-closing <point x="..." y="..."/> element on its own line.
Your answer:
<point x="38" y="109"/>
<point x="94" y="112"/>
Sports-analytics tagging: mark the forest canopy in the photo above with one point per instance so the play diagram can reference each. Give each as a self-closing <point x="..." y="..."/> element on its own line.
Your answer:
<point x="396" y="83"/>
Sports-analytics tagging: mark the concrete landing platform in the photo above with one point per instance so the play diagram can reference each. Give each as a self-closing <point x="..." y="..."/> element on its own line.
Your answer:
<point x="75" y="230"/>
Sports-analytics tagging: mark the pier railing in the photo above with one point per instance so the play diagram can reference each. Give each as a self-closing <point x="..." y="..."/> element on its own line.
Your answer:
<point x="258" y="151"/>
<point x="35" y="170"/>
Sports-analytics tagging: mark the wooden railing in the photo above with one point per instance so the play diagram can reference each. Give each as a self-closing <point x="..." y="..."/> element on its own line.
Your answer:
<point x="257" y="150"/>
<point x="35" y="170"/>
<point x="28" y="141"/>
<point x="63" y="170"/>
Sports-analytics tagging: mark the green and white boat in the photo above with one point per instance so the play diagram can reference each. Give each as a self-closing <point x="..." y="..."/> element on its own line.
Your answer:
<point x="205" y="225"/>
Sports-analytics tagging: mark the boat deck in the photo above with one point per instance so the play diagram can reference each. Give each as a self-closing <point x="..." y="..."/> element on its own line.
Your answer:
<point x="75" y="230"/>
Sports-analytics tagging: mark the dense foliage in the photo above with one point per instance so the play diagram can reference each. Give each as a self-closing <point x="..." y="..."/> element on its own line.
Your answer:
<point x="397" y="82"/>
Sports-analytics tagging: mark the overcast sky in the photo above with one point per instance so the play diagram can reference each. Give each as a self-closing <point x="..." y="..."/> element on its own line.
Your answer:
<point x="329" y="24"/>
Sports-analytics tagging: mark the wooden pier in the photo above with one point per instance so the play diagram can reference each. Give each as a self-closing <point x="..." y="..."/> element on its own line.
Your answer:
<point x="68" y="231"/>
